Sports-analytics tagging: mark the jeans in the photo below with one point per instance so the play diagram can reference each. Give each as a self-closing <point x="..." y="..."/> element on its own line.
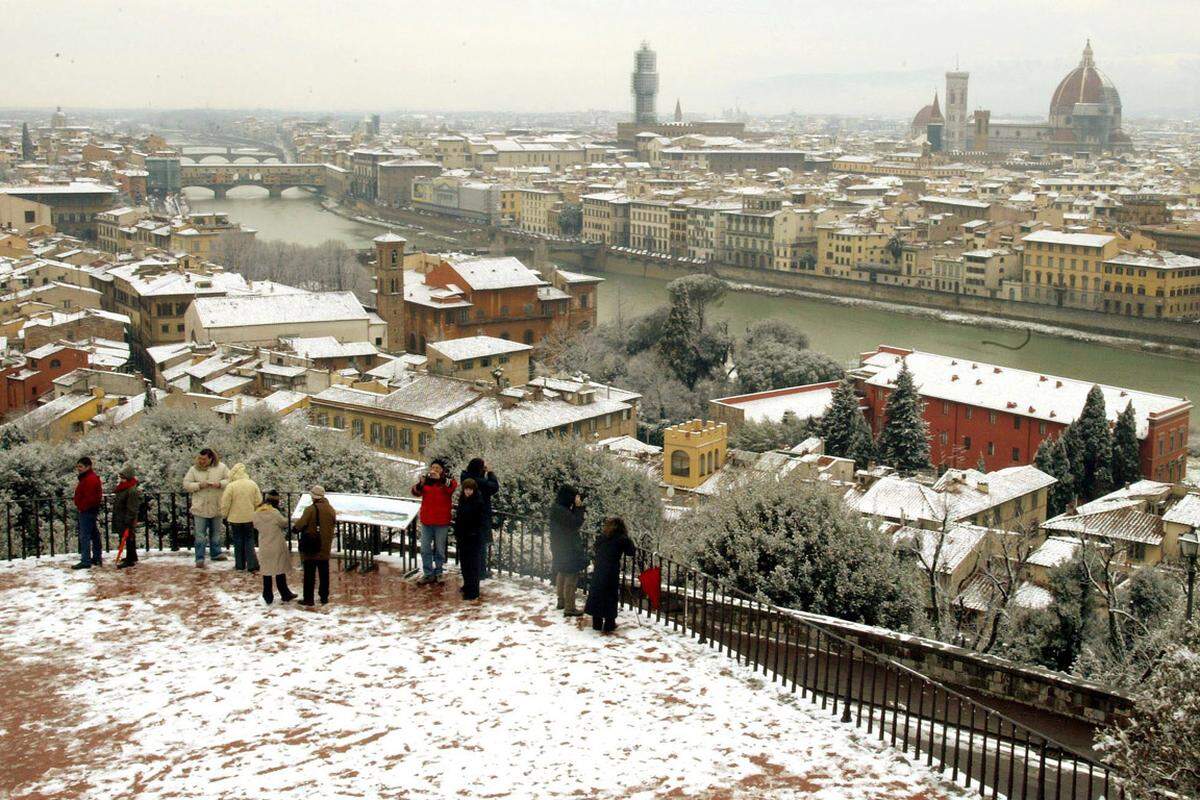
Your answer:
<point x="313" y="570"/>
<point x="433" y="549"/>
<point x="208" y="529"/>
<point x="89" y="537"/>
<point x="244" y="556"/>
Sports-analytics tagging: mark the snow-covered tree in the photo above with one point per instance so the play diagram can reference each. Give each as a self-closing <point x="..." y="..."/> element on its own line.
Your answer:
<point x="1089" y="446"/>
<point x="1155" y="750"/>
<point x="797" y="545"/>
<point x="904" y="440"/>
<point x="845" y="429"/>
<point x="759" y="437"/>
<point x="1126" y="452"/>
<point x="774" y="365"/>
<point x="1052" y="459"/>
<point x="774" y="330"/>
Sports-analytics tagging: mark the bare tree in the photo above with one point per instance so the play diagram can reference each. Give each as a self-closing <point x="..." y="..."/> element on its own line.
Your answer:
<point x="1004" y="572"/>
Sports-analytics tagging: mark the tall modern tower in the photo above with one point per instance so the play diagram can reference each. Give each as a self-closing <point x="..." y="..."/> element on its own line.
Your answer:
<point x="957" y="121"/>
<point x="644" y="84"/>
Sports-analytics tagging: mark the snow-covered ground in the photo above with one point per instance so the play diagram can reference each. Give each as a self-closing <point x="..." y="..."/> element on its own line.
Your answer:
<point x="171" y="682"/>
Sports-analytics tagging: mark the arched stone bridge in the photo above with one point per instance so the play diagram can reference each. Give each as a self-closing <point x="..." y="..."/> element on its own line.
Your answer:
<point x="202" y="153"/>
<point x="220" y="178"/>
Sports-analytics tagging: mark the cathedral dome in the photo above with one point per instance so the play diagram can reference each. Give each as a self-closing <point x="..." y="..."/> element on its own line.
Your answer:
<point x="1084" y="84"/>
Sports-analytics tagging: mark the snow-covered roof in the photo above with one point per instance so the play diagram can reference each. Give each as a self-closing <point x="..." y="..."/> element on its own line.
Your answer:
<point x="504" y="272"/>
<point x="1054" y="552"/>
<point x="317" y="347"/>
<point x="529" y="415"/>
<point x="806" y="402"/>
<point x="1186" y="511"/>
<point x="477" y="347"/>
<point x="426" y="397"/>
<point x="252" y="310"/>
<point x="1013" y="391"/>
<point x="1075" y="239"/>
<point x="959" y="543"/>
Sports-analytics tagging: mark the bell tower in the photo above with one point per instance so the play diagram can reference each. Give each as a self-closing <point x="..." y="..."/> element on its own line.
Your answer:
<point x="389" y="287"/>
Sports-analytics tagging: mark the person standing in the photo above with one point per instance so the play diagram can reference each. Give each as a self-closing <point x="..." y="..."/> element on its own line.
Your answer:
<point x="603" y="593"/>
<point x="317" y="526"/>
<point x="238" y="502"/>
<point x="273" y="557"/>
<point x="567" y="556"/>
<point x="470" y="523"/>
<point x="488" y="487"/>
<point x="89" y="494"/>
<point x="436" y="491"/>
<point x="205" y="481"/>
<point x="126" y="510"/>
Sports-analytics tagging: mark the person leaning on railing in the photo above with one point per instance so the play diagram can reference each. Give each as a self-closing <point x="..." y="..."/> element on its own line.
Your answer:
<point x="567" y="555"/>
<point x="205" y="481"/>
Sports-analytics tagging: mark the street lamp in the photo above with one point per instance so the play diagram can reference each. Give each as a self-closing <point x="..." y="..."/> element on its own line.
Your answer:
<point x="1189" y="545"/>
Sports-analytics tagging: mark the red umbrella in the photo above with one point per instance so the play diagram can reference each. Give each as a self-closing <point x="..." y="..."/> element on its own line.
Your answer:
<point x="121" y="546"/>
<point x="651" y="581"/>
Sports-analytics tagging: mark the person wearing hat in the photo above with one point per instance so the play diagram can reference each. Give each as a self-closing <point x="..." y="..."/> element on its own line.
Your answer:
<point x="126" y="505"/>
<point x="316" y="525"/>
<point x="274" y="560"/>
<point x="436" y="491"/>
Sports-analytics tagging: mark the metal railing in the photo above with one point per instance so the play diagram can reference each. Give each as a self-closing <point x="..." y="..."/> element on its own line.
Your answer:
<point x="963" y="739"/>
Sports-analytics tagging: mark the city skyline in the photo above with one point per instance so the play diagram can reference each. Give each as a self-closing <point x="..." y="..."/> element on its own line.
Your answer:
<point x="764" y="57"/>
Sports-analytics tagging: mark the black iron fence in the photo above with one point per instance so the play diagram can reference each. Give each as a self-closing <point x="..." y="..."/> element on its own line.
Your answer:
<point x="960" y="737"/>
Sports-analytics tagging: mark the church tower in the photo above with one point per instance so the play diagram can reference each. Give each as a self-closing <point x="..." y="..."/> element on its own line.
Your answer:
<point x="958" y="120"/>
<point x="678" y="111"/>
<point x="389" y="287"/>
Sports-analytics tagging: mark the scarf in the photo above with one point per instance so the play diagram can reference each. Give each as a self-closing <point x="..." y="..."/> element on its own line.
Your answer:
<point x="127" y="484"/>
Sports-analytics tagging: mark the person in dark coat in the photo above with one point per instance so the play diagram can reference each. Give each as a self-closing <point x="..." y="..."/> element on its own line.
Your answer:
<point x="126" y="506"/>
<point x="603" y="594"/>
<point x="318" y="519"/>
<point x="488" y="485"/>
<point x="470" y="522"/>
<point x="567" y="555"/>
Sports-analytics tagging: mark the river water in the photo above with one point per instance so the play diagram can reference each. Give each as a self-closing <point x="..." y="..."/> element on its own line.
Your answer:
<point x="839" y="330"/>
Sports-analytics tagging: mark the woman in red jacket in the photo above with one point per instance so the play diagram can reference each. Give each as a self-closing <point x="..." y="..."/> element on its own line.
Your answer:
<point x="436" y="491"/>
<point x="89" y="494"/>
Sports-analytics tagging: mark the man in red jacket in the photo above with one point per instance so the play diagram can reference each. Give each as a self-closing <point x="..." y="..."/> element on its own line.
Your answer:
<point x="89" y="493"/>
<point x="436" y="491"/>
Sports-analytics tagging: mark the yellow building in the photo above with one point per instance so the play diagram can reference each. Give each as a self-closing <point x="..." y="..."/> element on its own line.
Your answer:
<point x="1067" y="269"/>
<point x="532" y="209"/>
<point x="1152" y="283"/>
<point x="842" y="249"/>
<point x="475" y="358"/>
<point x="692" y="451"/>
<point x="650" y="225"/>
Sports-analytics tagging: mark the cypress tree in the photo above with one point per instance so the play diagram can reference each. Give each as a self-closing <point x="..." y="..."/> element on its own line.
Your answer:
<point x="1090" y="448"/>
<point x="1052" y="459"/>
<point x="1126" y="454"/>
<point x="844" y="428"/>
<point x="904" y="440"/>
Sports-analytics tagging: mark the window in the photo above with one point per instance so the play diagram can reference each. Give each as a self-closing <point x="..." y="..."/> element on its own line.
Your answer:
<point x="166" y="328"/>
<point x="323" y="420"/>
<point x="970" y="412"/>
<point x="945" y="408"/>
<point x="484" y="361"/>
<point x="966" y="442"/>
<point x="1042" y="428"/>
<point x="1016" y="454"/>
<point x="339" y="422"/>
<point x="29" y="216"/>
<point x="992" y="417"/>
<point x="356" y="428"/>
<point x="405" y="439"/>
<point x="1017" y="423"/>
<point x="991" y="450"/>
<point x="527" y="337"/>
<point x="943" y="437"/>
<point x="422" y="441"/>
<point x="54" y="362"/>
<point x="376" y="432"/>
<point x="680" y="464"/>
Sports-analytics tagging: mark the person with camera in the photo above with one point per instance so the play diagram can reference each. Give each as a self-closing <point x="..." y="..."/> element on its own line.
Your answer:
<point x="603" y="598"/>
<point x="316" y="542"/>
<point x="567" y="555"/>
<point x="436" y="490"/>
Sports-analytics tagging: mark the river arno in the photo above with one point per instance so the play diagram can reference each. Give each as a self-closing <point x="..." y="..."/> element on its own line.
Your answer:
<point x="842" y="331"/>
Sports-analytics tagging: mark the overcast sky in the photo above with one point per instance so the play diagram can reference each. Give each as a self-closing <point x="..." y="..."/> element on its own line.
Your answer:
<point x="831" y="56"/>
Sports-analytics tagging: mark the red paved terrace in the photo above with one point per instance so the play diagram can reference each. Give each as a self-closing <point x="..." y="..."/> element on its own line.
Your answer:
<point x="165" y="681"/>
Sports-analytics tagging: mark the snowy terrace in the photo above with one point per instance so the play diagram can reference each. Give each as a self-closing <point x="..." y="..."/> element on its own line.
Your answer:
<point x="169" y="681"/>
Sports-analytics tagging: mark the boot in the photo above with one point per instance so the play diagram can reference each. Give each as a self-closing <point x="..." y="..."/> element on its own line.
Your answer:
<point x="268" y="595"/>
<point x="81" y="565"/>
<point x="286" y="595"/>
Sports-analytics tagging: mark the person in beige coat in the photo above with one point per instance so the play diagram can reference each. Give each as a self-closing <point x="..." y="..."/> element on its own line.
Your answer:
<point x="238" y="503"/>
<point x="205" y="482"/>
<point x="273" y="557"/>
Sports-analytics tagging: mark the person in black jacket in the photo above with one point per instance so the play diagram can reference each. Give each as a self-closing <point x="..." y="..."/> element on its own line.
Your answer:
<point x="469" y="524"/>
<point x="612" y="543"/>
<point x="567" y="556"/>
<point x="478" y="470"/>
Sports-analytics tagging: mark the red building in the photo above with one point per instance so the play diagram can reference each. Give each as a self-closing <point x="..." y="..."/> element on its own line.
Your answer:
<point x="24" y="383"/>
<point x="1000" y="415"/>
<point x="452" y="298"/>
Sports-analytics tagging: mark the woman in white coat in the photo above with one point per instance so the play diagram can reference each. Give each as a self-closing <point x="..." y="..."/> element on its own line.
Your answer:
<point x="273" y="557"/>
